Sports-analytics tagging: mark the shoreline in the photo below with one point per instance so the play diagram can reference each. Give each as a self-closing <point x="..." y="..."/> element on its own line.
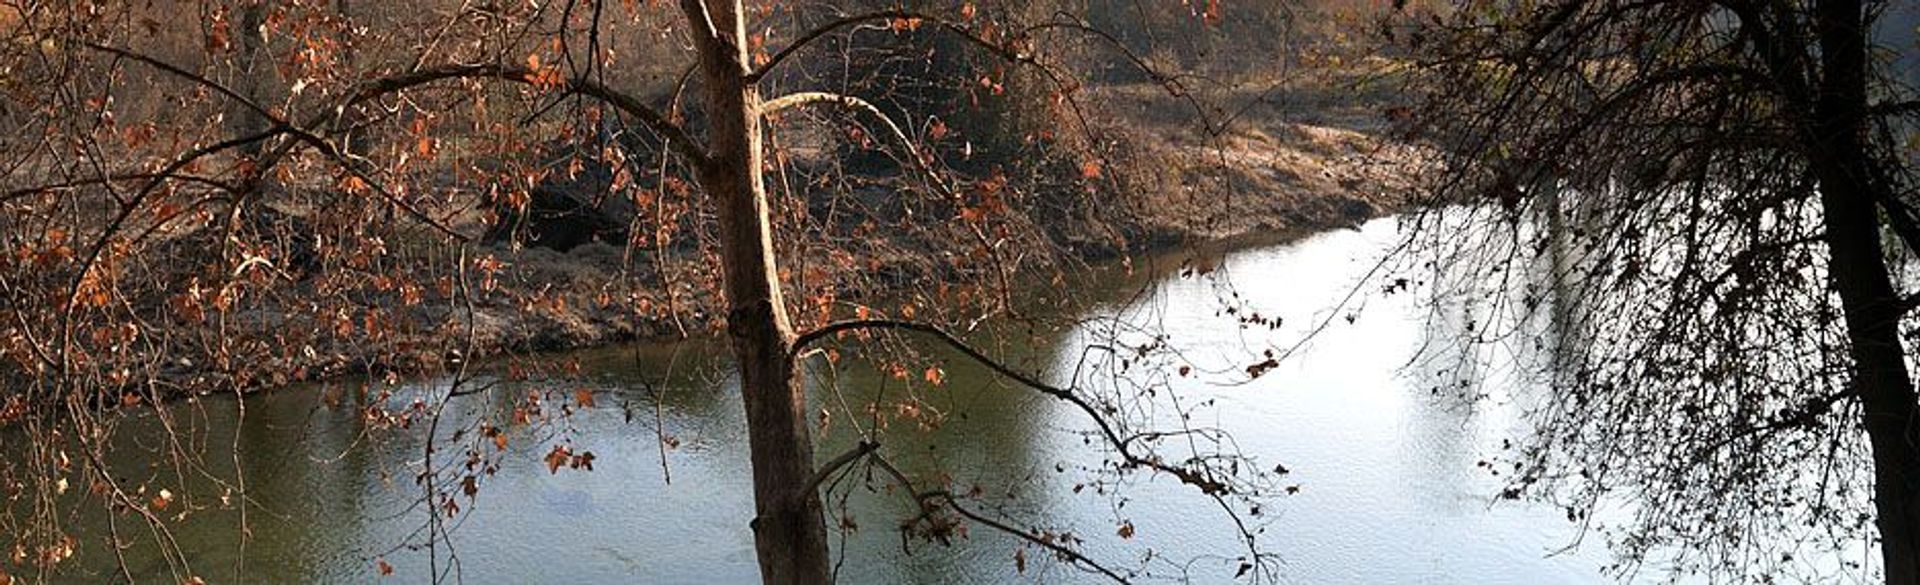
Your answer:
<point x="1271" y="181"/>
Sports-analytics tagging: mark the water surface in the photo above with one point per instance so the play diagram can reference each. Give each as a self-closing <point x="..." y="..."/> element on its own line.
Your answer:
<point x="1386" y="460"/>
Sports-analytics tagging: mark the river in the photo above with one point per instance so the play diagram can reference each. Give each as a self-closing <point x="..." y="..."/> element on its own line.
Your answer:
<point x="1385" y="459"/>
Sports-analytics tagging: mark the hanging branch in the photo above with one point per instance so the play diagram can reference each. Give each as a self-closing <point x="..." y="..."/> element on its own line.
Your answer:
<point x="932" y="500"/>
<point x="1202" y="478"/>
<point x="1199" y="479"/>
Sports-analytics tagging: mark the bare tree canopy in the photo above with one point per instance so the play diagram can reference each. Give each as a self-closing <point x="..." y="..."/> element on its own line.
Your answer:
<point x="1702" y="212"/>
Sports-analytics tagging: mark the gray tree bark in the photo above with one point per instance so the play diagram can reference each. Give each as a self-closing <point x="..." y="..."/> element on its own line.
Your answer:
<point x="789" y="530"/>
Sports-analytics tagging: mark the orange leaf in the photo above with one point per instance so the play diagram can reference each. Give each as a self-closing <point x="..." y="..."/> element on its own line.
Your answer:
<point x="558" y="457"/>
<point x="583" y="397"/>
<point x="353" y="185"/>
<point x="1090" y="169"/>
<point x="385" y="569"/>
<point x="219" y="37"/>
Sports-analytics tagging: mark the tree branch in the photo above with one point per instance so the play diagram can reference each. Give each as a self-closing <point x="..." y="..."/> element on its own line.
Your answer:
<point x="136" y="176"/>
<point x="281" y="126"/>
<point x="859" y="450"/>
<point x="921" y="163"/>
<point x="375" y="88"/>
<point x="821" y="31"/>
<point x="1806" y="416"/>
<point x="883" y="15"/>
<point x="928" y="499"/>
<point x="675" y="136"/>
<point x="1200" y="479"/>
<point x="1170" y="83"/>
<point x="807" y="98"/>
<point x="1906" y="108"/>
<point x="701" y="20"/>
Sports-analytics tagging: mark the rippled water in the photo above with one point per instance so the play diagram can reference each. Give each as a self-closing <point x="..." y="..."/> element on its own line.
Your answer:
<point x="1390" y="490"/>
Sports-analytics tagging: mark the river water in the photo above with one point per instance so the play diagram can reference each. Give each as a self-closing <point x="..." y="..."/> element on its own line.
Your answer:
<point x="1385" y="459"/>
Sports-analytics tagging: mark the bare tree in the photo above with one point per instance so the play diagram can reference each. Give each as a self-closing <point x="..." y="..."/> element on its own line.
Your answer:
<point x="1710" y="187"/>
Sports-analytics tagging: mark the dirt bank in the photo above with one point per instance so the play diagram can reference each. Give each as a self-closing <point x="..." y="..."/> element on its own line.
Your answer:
<point x="1250" y="164"/>
<point x="1285" y="165"/>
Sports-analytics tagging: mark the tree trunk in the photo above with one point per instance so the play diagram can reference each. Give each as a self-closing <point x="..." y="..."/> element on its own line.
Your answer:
<point x="789" y="531"/>
<point x="249" y="80"/>
<point x="1849" y="196"/>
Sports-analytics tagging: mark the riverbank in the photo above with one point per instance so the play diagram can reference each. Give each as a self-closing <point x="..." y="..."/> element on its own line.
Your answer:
<point x="1287" y="166"/>
<point x="1247" y="165"/>
<point x="1268" y="178"/>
